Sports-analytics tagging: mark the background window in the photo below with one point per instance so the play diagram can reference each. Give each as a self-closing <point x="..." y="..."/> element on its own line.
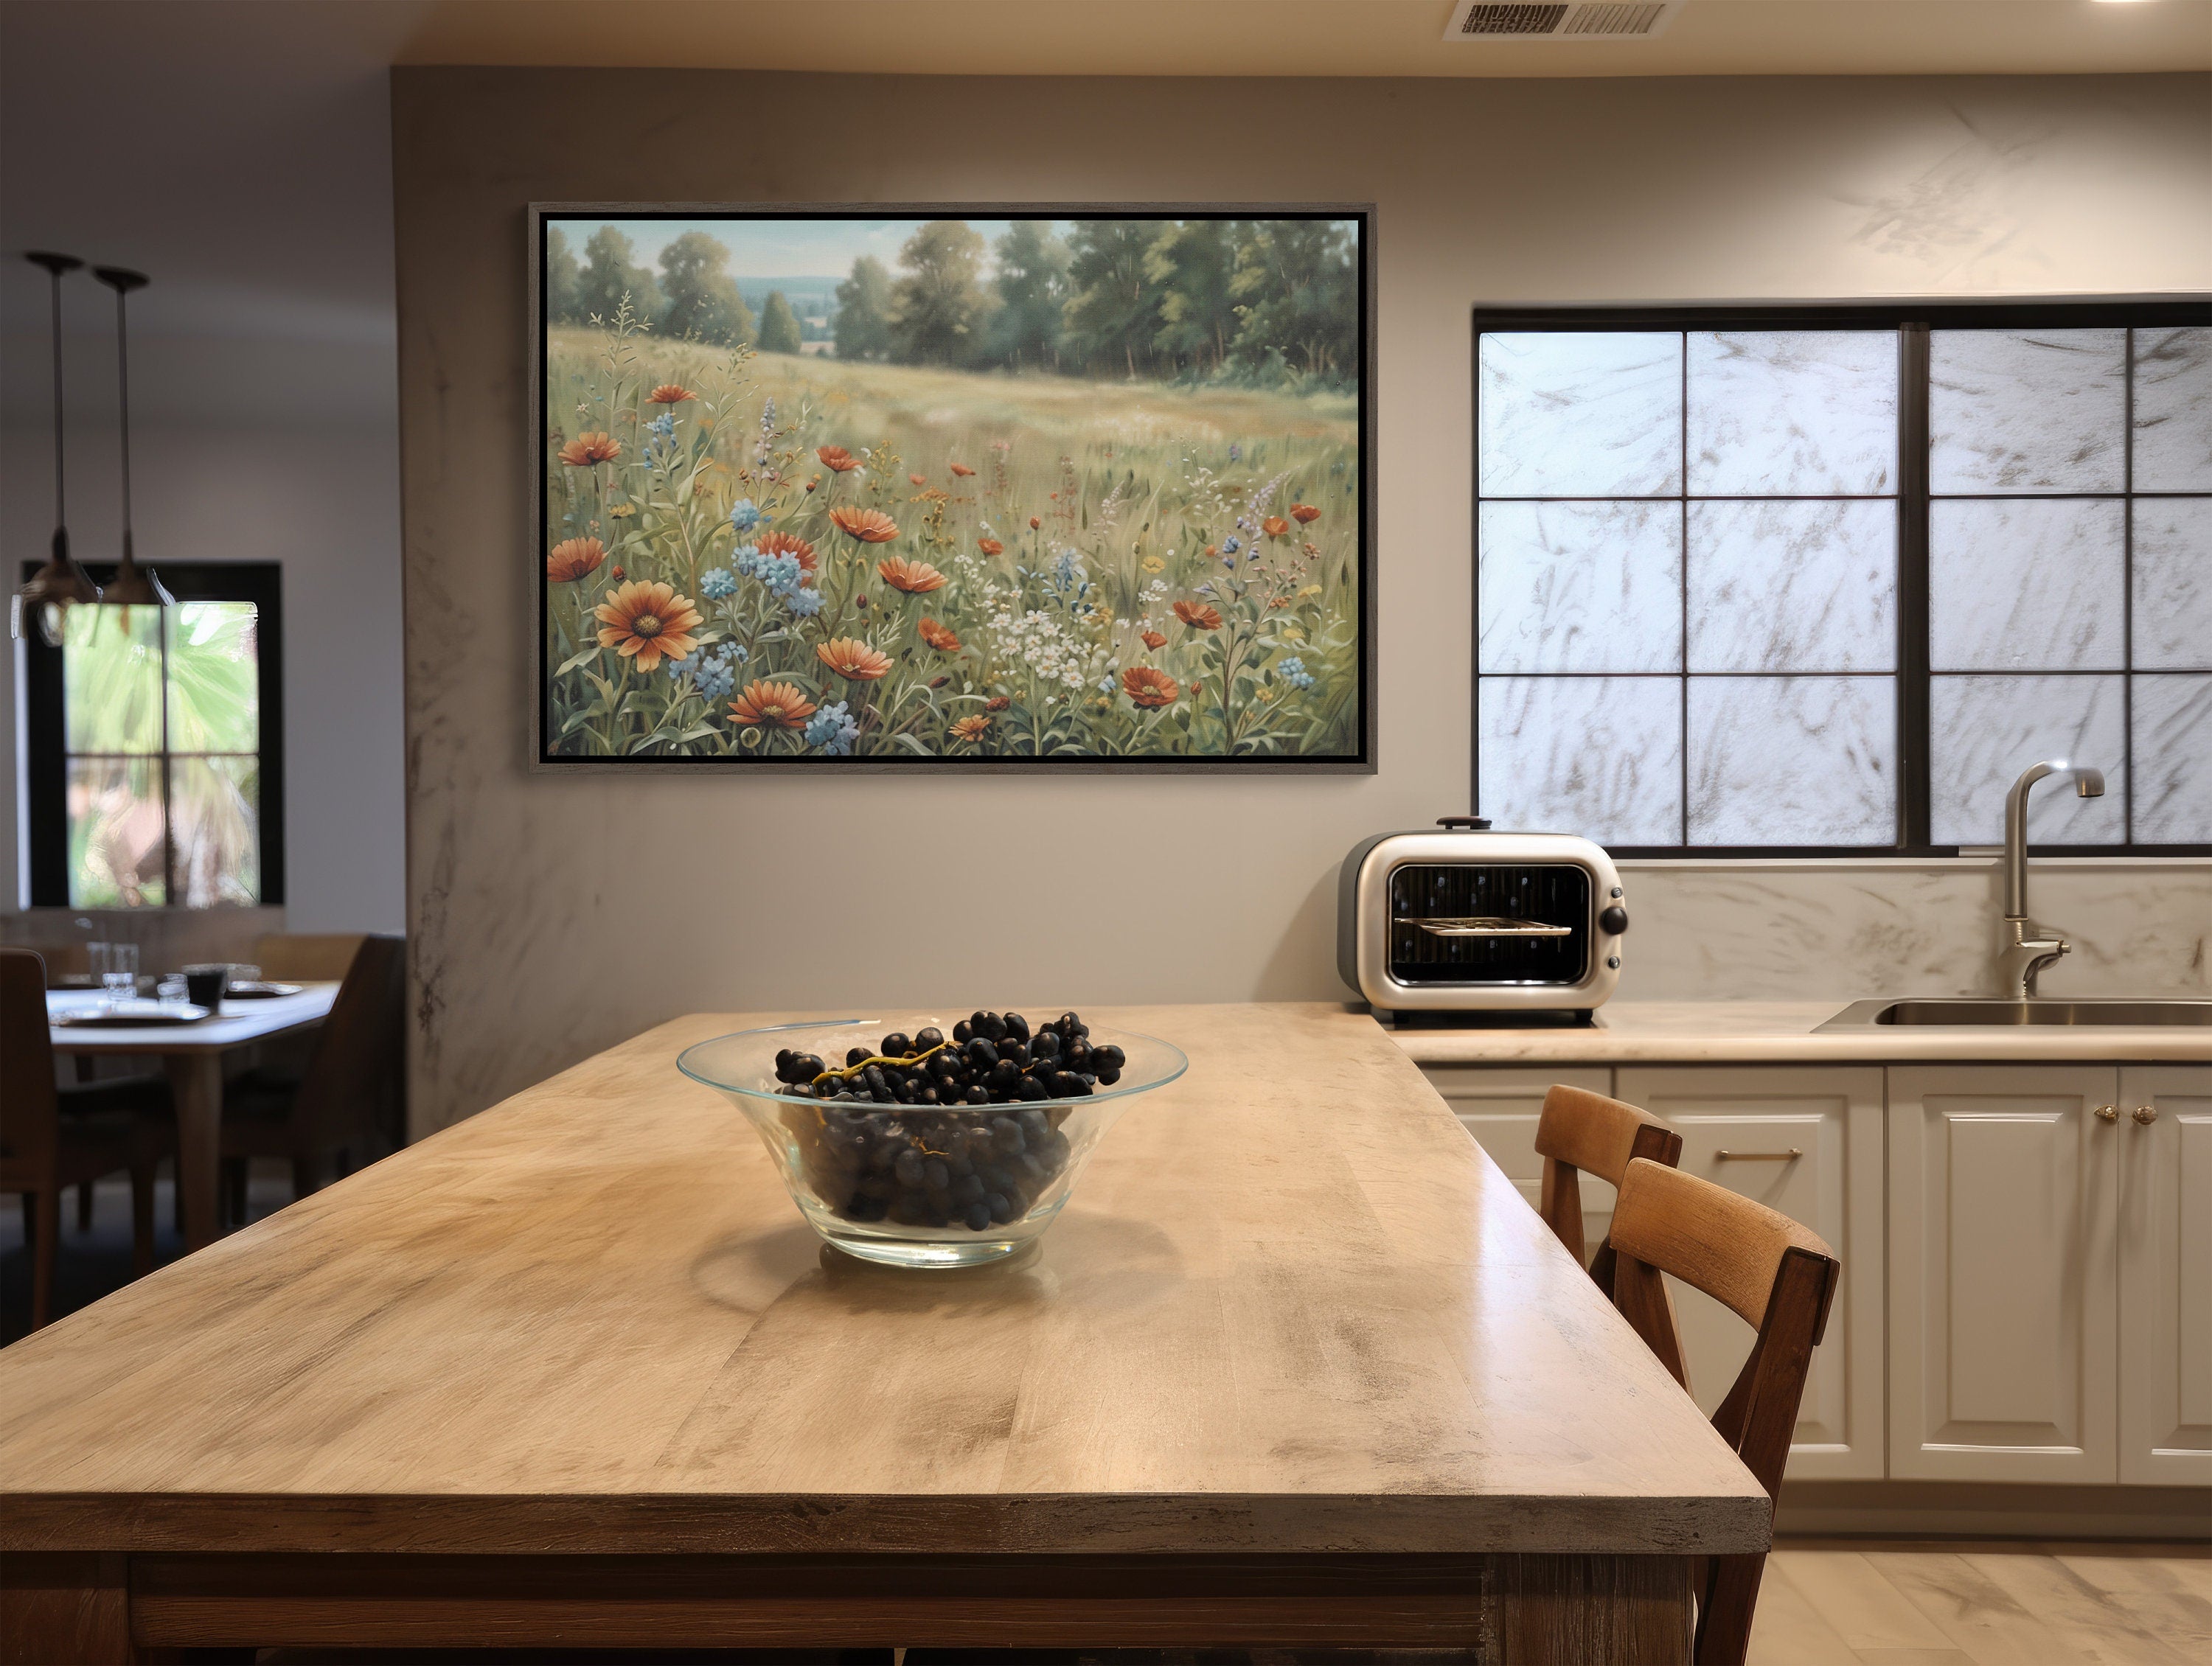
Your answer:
<point x="1827" y="581"/>
<point x="154" y="738"/>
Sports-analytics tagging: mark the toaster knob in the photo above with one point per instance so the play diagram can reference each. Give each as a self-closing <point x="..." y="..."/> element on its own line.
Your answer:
<point x="1614" y="921"/>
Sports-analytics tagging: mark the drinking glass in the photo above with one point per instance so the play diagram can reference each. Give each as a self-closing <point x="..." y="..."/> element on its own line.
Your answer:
<point x="119" y="976"/>
<point x="173" y="991"/>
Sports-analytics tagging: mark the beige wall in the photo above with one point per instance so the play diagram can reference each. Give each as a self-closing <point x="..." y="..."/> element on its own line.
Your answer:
<point x="553" y="917"/>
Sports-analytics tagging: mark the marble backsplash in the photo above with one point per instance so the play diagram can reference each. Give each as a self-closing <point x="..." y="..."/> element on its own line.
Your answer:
<point x="1784" y="932"/>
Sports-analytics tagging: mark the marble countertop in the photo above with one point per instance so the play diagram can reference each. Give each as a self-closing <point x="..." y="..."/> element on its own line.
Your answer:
<point x="1782" y="1032"/>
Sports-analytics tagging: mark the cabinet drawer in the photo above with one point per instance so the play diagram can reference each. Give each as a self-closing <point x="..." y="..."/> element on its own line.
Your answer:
<point x="1501" y="1108"/>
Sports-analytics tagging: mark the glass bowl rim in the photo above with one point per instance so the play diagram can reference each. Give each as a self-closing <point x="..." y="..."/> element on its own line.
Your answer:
<point x="1096" y="1096"/>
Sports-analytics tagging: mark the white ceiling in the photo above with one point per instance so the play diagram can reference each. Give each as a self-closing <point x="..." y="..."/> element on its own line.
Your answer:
<point x="238" y="149"/>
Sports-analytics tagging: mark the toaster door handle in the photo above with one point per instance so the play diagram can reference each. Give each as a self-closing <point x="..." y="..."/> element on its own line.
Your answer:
<point x="1469" y="927"/>
<point x="1478" y="823"/>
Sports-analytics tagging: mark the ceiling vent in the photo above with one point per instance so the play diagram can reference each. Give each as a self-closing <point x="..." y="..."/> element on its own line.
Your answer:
<point x="1473" y="21"/>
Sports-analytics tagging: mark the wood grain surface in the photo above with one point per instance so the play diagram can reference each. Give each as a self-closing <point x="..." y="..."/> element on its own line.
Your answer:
<point x="1292" y="1309"/>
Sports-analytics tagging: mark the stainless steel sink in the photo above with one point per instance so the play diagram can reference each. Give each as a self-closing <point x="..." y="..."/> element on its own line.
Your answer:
<point x="1861" y="1014"/>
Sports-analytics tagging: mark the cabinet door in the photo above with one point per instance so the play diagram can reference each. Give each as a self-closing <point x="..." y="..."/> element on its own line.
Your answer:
<point x="1737" y="1126"/>
<point x="2002" y="1296"/>
<point x="2165" y="1275"/>
<point x="1501" y="1107"/>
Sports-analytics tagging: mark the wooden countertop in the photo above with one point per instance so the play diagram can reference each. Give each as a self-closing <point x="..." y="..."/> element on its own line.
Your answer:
<point x="1781" y="1033"/>
<point x="1291" y="1307"/>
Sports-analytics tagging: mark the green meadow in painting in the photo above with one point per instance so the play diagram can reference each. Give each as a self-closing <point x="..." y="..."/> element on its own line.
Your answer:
<point x="977" y="490"/>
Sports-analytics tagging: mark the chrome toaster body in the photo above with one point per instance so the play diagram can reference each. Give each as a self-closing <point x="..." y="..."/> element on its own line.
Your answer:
<point x="1473" y="921"/>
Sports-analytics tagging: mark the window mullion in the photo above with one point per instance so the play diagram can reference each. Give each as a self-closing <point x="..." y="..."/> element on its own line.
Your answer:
<point x="1912" y="690"/>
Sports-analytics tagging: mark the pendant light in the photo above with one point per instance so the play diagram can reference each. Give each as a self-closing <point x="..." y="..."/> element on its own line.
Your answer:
<point x="131" y="586"/>
<point x="46" y="597"/>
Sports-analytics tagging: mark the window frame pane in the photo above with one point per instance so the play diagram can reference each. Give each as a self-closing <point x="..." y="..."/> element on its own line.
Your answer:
<point x="1911" y="321"/>
<point x="47" y="758"/>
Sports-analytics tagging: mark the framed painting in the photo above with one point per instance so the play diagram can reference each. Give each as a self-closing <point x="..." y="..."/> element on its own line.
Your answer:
<point x="987" y="487"/>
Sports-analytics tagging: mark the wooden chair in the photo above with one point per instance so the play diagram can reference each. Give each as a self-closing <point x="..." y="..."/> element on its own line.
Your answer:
<point x="52" y="1137"/>
<point x="1775" y="1276"/>
<point x="332" y="1115"/>
<point x="307" y="958"/>
<point x="1583" y="1132"/>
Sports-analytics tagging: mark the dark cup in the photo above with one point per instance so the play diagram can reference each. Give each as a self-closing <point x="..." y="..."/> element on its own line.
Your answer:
<point x="205" y="985"/>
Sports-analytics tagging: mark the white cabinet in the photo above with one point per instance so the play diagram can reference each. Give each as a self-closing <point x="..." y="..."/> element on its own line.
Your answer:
<point x="1501" y="1107"/>
<point x="1807" y="1141"/>
<point x="2165" y="1230"/>
<point x="2003" y="1330"/>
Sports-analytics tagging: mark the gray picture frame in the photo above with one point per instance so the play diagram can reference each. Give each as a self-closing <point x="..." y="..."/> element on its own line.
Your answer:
<point x="539" y="761"/>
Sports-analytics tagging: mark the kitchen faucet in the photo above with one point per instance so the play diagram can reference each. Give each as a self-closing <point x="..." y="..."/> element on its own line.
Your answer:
<point x="2021" y="953"/>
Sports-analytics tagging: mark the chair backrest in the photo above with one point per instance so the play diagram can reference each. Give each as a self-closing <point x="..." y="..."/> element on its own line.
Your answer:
<point x="354" y="1071"/>
<point x="30" y="1114"/>
<point x="307" y="958"/>
<point x="1770" y="1272"/>
<point x="1582" y="1132"/>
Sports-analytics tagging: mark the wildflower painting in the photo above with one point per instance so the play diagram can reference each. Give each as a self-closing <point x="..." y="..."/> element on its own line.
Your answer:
<point x="1001" y="489"/>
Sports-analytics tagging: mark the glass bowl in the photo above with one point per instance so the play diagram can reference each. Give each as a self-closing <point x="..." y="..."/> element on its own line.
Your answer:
<point x="921" y="1185"/>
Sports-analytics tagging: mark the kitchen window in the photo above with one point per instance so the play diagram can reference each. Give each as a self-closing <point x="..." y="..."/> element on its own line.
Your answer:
<point x="155" y="742"/>
<point x="1822" y="581"/>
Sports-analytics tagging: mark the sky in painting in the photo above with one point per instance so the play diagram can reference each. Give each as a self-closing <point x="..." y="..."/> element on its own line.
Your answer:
<point x="773" y="248"/>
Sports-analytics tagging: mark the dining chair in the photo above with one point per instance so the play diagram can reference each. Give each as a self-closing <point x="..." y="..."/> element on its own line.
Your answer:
<point x="307" y="957"/>
<point x="330" y="1116"/>
<point x="54" y="1136"/>
<point x="1584" y="1133"/>
<point x="1772" y="1273"/>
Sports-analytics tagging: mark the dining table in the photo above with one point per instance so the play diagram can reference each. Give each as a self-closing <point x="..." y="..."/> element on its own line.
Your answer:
<point x="1297" y="1367"/>
<point x="192" y="1054"/>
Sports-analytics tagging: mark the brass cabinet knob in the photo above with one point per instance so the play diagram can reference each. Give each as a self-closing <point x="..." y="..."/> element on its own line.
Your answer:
<point x="2146" y="1114"/>
<point x="2108" y="1114"/>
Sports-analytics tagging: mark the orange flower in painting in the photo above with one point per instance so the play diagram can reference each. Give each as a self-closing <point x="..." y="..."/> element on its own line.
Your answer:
<point x="914" y="577"/>
<point x="1274" y="526"/>
<point x="962" y="469"/>
<point x="813" y="481"/>
<point x="990" y="546"/>
<point x="1153" y="639"/>
<point x="970" y="728"/>
<point x="1035" y="523"/>
<point x="919" y="480"/>
<point x="870" y="526"/>
<point x="1198" y="614"/>
<point x="939" y="637"/>
<point x="1305" y="513"/>
<point x="617" y="575"/>
<point x="648" y="621"/>
<point x="838" y="458"/>
<point x="572" y="558"/>
<point x="1196" y="689"/>
<point x="997" y="703"/>
<point x="585" y="449"/>
<point x="670" y="393"/>
<point x="778" y="705"/>
<point x="852" y="659"/>
<point x="1149" y="687"/>
<point x="791" y="544"/>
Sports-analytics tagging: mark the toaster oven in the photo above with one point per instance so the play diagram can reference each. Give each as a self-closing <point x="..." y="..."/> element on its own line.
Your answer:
<point x="1468" y="922"/>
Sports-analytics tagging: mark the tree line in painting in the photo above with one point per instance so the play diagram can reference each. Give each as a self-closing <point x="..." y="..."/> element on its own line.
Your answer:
<point x="1247" y="302"/>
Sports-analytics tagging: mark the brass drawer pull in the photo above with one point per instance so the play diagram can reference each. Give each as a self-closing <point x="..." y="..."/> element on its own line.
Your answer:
<point x="1788" y="1156"/>
<point x="2145" y="1115"/>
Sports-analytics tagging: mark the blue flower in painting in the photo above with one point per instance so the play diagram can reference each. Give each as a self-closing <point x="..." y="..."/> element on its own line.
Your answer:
<point x="1230" y="546"/>
<point x="744" y="515"/>
<point x="713" y="670"/>
<point x="715" y="583"/>
<point x="1068" y="571"/>
<point x="833" y="730"/>
<point x="1293" y="670"/>
<point x="1235" y="451"/>
<point x="804" y="603"/>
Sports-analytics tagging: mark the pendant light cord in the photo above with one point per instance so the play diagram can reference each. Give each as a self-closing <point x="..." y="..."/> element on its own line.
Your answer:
<point x="61" y="468"/>
<point x="123" y="399"/>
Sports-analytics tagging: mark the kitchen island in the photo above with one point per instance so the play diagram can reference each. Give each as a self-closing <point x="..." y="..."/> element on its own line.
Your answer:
<point x="1296" y="1366"/>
